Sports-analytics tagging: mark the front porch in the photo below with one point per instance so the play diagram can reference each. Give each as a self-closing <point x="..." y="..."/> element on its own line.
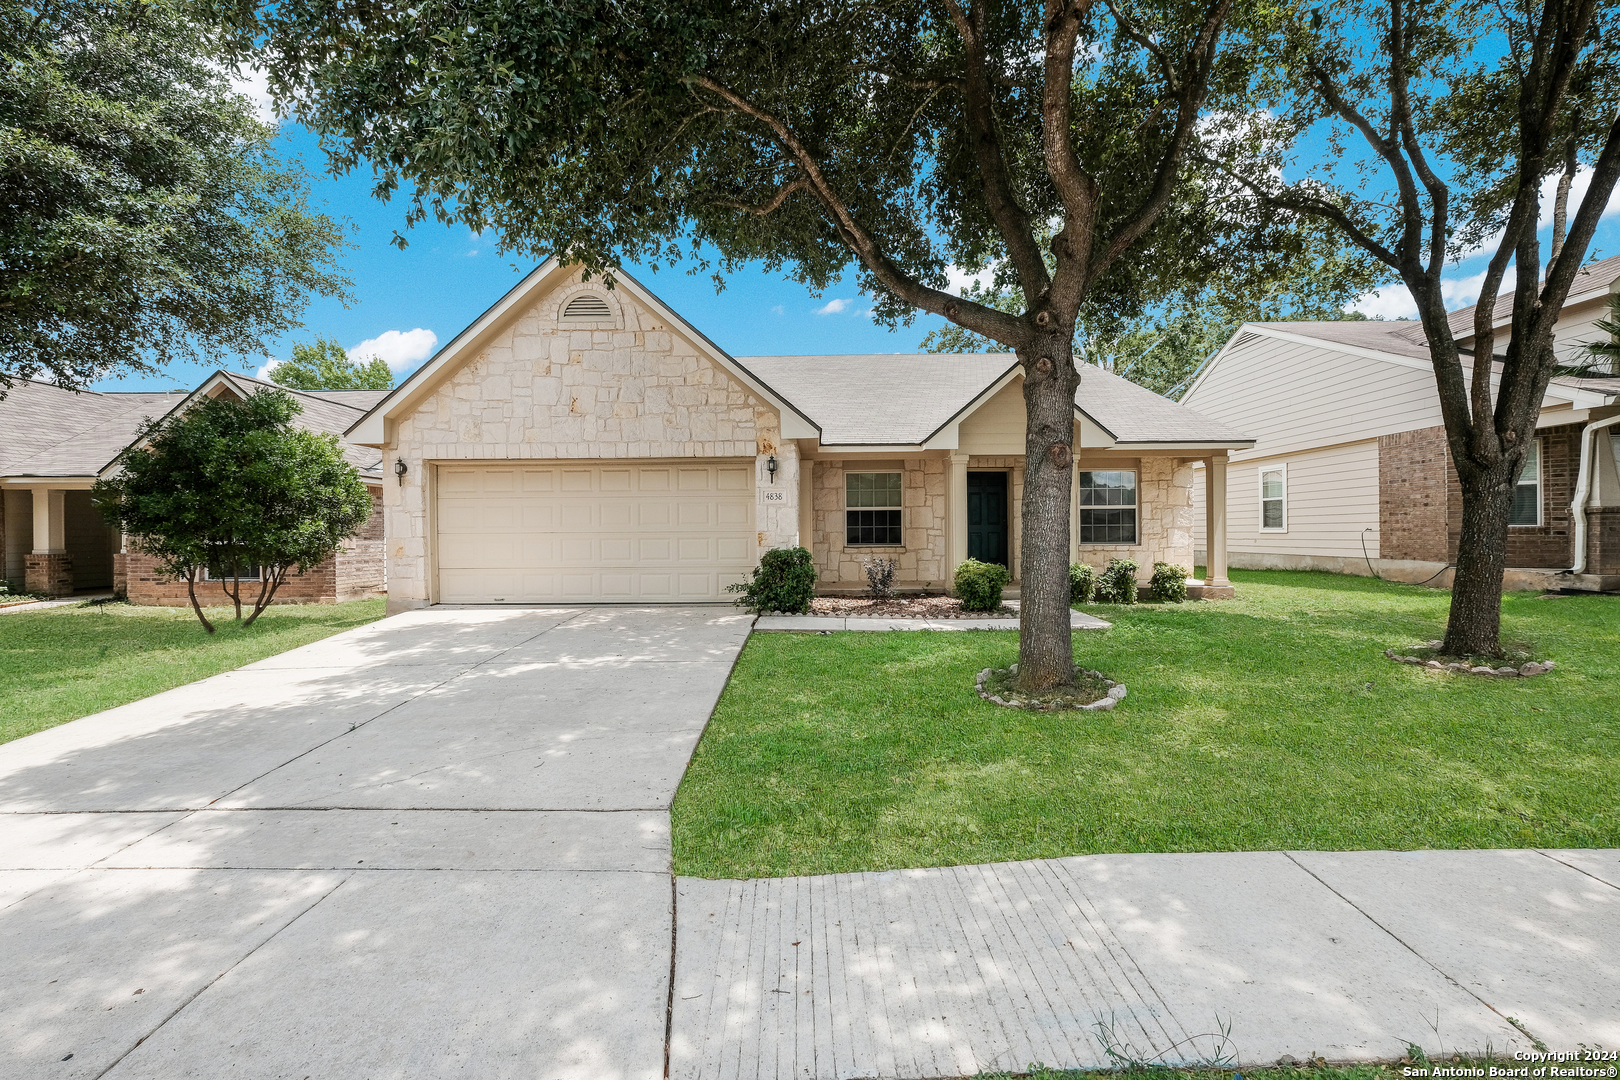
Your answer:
<point x="55" y="541"/>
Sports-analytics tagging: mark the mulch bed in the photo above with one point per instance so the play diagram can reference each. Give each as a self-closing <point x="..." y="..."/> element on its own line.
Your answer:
<point x="910" y="607"/>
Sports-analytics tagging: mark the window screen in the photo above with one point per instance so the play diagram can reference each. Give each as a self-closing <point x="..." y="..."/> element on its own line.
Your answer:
<point x="872" y="509"/>
<point x="1527" y="492"/>
<point x="1108" y="507"/>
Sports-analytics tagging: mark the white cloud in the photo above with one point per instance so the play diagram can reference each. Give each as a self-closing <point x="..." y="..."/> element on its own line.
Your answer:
<point x="833" y="307"/>
<point x="269" y="366"/>
<point x="779" y="310"/>
<point x="254" y="85"/>
<point x="1394" y="302"/>
<point x="399" y="349"/>
<point x="958" y="279"/>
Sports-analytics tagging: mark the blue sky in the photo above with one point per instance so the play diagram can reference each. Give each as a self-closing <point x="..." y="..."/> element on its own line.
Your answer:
<point x="409" y="302"/>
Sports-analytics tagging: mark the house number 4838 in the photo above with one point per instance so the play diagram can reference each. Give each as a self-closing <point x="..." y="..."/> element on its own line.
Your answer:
<point x="776" y="496"/>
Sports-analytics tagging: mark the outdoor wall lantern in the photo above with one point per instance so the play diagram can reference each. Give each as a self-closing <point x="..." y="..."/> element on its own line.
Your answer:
<point x="399" y="470"/>
<point x="770" y="467"/>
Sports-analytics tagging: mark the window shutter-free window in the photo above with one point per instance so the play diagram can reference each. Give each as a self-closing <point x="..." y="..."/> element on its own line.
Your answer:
<point x="1108" y="506"/>
<point x="1527" y="492"/>
<point x="872" y="509"/>
<point x="1273" y="497"/>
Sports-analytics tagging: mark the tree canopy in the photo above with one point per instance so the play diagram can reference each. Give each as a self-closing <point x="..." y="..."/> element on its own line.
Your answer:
<point x="233" y="488"/>
<point x="144" y="215"/>
<point x="323" y="364"/>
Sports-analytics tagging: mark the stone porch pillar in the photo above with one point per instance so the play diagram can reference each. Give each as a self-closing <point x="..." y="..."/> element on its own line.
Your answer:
<point x="956" y="505"/>
<point x="807" y="504"/>
<point x="1217" y="585"/>
<point x="48" y="569"/>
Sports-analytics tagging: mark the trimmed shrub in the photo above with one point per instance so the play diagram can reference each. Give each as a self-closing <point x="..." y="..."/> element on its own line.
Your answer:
<point x="1117" y="583"/>
<point x="979" y="585"/>
<point x="1169" y="582"/>
<point x="784" y="580"/>
<point x="879" y="577"/>
<point x="1082" y="583"/>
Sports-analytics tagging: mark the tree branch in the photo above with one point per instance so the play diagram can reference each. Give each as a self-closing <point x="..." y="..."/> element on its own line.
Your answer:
<point x="1077" y="189"/>
<point x="761" y="209"/>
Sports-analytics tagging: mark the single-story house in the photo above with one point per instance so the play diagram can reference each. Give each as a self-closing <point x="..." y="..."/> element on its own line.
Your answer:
<point x="579" y="443"/>
<point x="1350" y="470"/>
<point x="54" y="443"/>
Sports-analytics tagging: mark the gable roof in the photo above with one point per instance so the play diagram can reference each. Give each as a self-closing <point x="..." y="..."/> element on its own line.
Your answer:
<point x="52" y="432"/>
<point x="903" y="400"/>
<point x="1590" y="281"/>
<point x="372" y="429"/>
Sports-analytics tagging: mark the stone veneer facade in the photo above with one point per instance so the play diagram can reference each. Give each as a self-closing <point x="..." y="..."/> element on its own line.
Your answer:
<point x="922" y="556"/>
<point x="545" y="388"/>
<point x="1164" y="517"/>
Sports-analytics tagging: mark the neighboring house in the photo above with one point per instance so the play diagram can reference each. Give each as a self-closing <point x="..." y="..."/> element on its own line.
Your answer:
<point x="584" y="444"/>
<point x="54" y="443"/>
<point x="1351" y="449"/>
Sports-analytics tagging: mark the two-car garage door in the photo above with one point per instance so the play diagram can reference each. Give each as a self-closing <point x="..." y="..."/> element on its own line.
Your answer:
<point x="637" y="531"/>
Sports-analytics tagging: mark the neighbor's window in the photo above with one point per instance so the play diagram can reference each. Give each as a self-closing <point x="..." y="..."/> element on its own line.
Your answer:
<point x="1527" y="492"/>
<point x="872" y="509"/>
<point x="1273" y="499"/>
<point x="1108" y="507"/>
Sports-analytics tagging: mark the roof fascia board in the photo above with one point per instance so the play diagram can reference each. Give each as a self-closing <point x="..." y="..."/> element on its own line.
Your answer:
<point x="913" y="449"/>
<point x="68" y="482"/>
<point x="1229" y="444"/>
<point x="948" y="436"/>
<point x="372" y="430"/>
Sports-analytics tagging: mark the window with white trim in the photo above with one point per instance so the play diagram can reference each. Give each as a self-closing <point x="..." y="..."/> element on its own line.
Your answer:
<point x="1527" y="492"/>
<point x="1108" y="506"/>
<point x="872" y="509"/>
<point x="1274" y="499"/>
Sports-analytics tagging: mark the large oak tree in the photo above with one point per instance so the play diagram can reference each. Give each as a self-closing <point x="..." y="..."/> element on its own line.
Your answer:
<point x="896" y="136"/>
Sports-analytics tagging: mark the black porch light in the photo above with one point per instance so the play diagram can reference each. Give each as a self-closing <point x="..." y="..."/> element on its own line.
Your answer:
<point x="770" y="467"/>
<point x="400" y="468"/>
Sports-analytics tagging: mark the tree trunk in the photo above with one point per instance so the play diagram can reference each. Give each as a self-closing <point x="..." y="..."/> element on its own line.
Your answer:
<point x="1475" y="623"/>
<point x="191" y="591"/>
<point x="267" y="591"/>
<point x="1045" y="644"/>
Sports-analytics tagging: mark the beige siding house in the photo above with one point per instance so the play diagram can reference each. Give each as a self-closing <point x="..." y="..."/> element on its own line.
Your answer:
<point x="1350" y="471"/>
<point x="579" y="443"/>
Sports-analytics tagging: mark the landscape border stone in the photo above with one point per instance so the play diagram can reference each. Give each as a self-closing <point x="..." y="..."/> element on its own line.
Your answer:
<point x="1116" y="693"/>
<point x="1522" y="671"/>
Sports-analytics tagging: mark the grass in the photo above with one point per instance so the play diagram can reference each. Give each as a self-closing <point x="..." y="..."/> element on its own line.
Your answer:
<point x="62" y="663"/>
<point x="1272" y="721"/>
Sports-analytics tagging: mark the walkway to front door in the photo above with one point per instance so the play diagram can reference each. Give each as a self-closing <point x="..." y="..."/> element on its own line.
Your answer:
<point x="987" y="517"/>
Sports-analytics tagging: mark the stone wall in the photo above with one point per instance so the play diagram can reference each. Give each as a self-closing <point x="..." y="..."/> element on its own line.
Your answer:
<point x="48" y="575"/>
<point x="629" y="386"/>
<point x="1550" y="544"/>
<point x="923" y="521"/>
<point x="1164" y="518"/>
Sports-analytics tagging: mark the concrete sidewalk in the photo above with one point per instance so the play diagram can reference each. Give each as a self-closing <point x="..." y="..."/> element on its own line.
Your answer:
<point x="1168" y="958"/>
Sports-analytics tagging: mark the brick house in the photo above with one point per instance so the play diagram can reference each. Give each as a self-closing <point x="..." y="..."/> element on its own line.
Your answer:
<point x="54" y="443"/>
<point x="579" y="443"/>
<point x="1351" y="451"/>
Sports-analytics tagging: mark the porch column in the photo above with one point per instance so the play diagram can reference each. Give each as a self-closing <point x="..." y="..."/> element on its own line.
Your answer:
<point x="48" y="569"/>
<point x="807" y="504"/>
<point x="957" y="544"/>
<point x="1215" y="523"/>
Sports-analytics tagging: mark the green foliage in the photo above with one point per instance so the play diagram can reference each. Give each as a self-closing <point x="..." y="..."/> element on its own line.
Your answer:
<point x="1117" y="582"/>
<point x="1169" y="582"/>
<point x="145" y="215"/>
<point x="325" y="365"/>
<point x="784" y="580"/>
<point x="1082" y="582"/>
<point x="233" y="484"/>
<point x="979" y="585"/>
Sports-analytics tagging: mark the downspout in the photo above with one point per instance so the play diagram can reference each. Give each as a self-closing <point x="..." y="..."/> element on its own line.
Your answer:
<point x="1583" y="489"/>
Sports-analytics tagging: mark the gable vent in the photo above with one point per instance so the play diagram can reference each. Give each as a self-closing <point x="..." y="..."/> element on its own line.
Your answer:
<point x="1244" y="338"/>
<point x="587" y="306"/>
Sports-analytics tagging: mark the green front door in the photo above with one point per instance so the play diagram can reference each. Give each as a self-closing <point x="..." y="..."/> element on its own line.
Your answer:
<point x="987" y="516"/>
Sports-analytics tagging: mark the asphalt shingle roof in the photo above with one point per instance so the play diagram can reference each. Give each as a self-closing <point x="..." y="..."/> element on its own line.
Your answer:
<point x="900" y="400"/>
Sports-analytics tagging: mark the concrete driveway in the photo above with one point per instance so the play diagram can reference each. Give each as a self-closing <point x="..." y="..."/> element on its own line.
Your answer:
<point x="433" y="846"/>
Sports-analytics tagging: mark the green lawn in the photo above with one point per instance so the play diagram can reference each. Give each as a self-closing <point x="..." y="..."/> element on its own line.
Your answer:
<point x="63" y="663"/>
<point x="1270" y="721"/>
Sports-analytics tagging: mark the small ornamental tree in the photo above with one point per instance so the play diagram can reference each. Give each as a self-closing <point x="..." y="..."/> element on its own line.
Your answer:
<point x="232" y="486"/>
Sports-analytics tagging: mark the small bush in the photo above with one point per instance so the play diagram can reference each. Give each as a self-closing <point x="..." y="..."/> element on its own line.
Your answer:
<point x="1117" y="583"/>
<point x="784" y="580"/>
<point x="1082" y="583"/>
<point x="879" y="577"/>
<point x="1169" y="582"/>
<point x="979" y="585"/>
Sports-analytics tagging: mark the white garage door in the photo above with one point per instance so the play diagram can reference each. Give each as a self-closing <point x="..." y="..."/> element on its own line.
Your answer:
<point x="636" y="531"/>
